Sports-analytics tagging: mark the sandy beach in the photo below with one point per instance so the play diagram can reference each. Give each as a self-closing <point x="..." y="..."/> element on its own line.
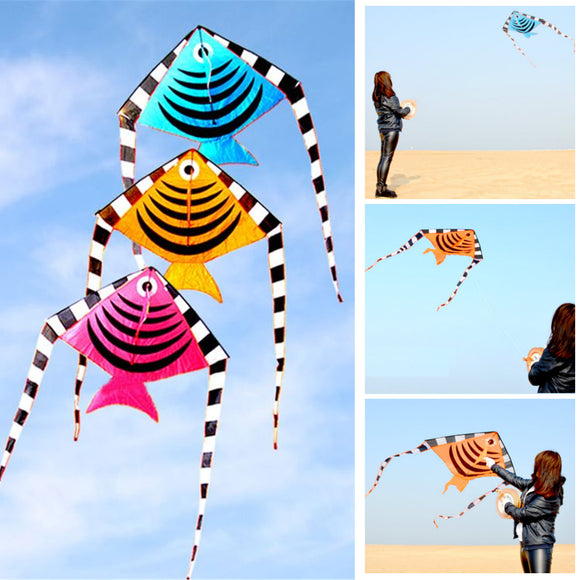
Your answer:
<point x="476" y="174"/>
<point x="466" y="559"/>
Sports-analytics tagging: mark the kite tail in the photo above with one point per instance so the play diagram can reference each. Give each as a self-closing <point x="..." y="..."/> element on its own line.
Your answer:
<point x="101" y="235"/>
<point x="520" y="50"/>
<point x="473" y="503"/>
<point x="277" y="267"/>
<point x="462" y="279"/>
<point x="217" y="375"/>
<point x="44" y="346"/>
<point x="297" y="99"/>
<point x="420" y="449"/>
<point x="404" y="247"/>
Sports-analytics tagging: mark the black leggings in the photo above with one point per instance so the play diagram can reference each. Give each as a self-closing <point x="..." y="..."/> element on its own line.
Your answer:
<point x="539" y="560"/>
<point x="388" y="145"/>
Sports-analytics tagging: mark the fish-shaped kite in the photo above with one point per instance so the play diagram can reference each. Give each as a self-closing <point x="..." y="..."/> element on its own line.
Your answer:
<point x="525" y="24"/>
<point x="189" y="212"/>
<point x="464" y="455"/>
<point x="138" y="329"/>
<point x="208" y="89"/>
<point x="446" y="242"/>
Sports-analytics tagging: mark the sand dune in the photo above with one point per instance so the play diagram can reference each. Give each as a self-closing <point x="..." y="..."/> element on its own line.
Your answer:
<point x="476" y="174"/>
<point x="457" y="558"/>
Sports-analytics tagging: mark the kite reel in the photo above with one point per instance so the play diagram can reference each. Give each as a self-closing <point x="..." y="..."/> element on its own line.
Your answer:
<point x="505" y="496"/>
<point x="412" y="105"/>
<point x="533" y="356"/>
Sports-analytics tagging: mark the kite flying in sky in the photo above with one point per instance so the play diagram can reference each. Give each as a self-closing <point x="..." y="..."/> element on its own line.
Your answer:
<point x="464" y="455"/>
<point x="446" y="243"/>
<point x="208" y="89"/>
<point x="189" y="212"/>
<point x="138" y="329"/>
<point x="525" y="24"/>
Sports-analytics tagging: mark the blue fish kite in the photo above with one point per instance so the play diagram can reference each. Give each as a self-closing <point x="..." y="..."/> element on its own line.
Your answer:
<point x="524" y="24"/>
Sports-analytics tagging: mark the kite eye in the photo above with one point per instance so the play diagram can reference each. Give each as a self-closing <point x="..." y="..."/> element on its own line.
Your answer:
<point x="147" y="286"/>
<point x="189" y="170"/>
<point x="202" y="52"/>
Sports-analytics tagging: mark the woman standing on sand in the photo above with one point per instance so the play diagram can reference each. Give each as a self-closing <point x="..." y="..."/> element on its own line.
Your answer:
<point x="555" y="371"/>
<point x="541" y="498"/>
<point x="390" y="125"/>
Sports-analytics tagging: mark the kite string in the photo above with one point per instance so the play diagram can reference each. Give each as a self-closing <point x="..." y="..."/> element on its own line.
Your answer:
<point x="495" y="317"/>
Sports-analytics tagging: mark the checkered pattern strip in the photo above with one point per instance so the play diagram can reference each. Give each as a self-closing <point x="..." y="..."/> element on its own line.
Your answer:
<point x="473" y="503"/>
<point x="515" y="14"/>
<point x="217" y="359"/>
<point x="425" y="446"/>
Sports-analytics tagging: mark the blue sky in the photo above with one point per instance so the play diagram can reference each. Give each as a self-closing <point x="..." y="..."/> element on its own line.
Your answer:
<point x="122" y="502"/>
<point x="474" y="90"/>
<point x="475" y="344"/>
<point x="409" y="495"/>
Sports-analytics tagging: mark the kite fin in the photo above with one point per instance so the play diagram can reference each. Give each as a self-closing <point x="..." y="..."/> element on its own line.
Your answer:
<point x="193" y="277"/>
<point x="458" y="481"/>
<point x="123" y="391"/>
<point x="439" y="254"/>
<point x="226" y="150"/>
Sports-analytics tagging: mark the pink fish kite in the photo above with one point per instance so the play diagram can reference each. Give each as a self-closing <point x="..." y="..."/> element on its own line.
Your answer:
<point x="138" y="329"/>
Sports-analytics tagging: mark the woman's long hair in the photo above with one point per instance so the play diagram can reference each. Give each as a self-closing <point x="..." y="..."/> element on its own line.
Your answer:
<point x="547" y="476"/>
<point x="563" y="338"/>
<point x="383" y="86"/>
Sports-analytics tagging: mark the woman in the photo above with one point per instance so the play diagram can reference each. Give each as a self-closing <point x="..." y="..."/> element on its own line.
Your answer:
<point x="541" y="499"/>
<point x="390" y="125"/>
<point x="555" y="371"/>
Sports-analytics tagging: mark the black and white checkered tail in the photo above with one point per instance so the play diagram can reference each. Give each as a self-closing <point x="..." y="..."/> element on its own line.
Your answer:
<point x="101" y="235"/>
<point x="461" y="280"/>
<point x="420" y="234"/>
<point x="44" y="346"/>
<point x="294" y="92"/>
<point x="505" y="28"/>
<point x="420" y="449"/>
<point x="217" y="359"/>
<point x="473" y="503"/>
<point x="128" y="115"/>
<point x="278" y="278"/>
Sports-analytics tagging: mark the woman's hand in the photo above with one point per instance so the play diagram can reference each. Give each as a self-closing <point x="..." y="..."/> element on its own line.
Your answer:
<point x="489" y="462"/>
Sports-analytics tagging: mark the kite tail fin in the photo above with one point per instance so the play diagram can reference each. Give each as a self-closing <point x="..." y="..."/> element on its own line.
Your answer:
<point x="44" y="345"/>
<point x="122" y="391"/>
<point x="193" y="277"/>
<point x="299" y="105"/>
<point x="461" y="280"/>
<point x="419" y="449"/>
<point x="217" y="375"/>
<point x="226" y="150"/>
<point x="473" y="503"/>
<point x="101" y="235"/>
<point x="277" y="267"/>
<point x="403" y="248"/>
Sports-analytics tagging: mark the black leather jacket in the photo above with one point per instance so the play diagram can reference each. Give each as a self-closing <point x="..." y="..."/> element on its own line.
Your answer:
<point x="537" y="514"/>
<point x="390" y="113"/>
<point x="553" y="375"/>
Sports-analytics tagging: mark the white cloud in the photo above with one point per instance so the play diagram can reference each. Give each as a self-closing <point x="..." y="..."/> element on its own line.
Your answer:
<point x="50" y="110"/>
